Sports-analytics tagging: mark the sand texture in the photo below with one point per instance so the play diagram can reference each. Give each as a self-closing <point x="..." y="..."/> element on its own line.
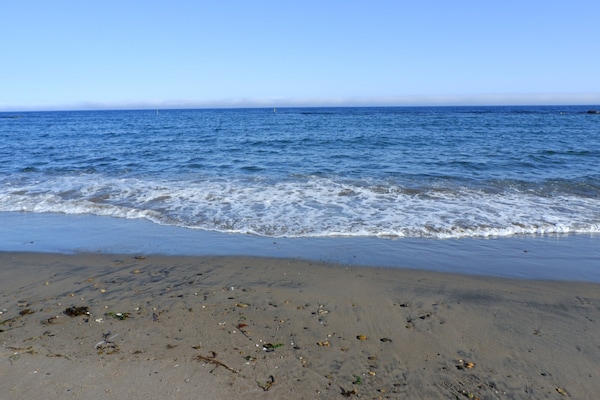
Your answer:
<point x="98" y="326"/>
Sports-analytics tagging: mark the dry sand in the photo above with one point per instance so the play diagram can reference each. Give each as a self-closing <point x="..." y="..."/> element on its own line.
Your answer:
<point x="229" y="327"/>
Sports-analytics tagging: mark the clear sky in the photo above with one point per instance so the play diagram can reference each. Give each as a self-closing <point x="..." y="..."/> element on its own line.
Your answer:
<point x="73" y="54"/>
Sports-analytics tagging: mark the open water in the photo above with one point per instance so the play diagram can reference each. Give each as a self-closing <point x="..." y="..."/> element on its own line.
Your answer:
<point x="409" y="172"/>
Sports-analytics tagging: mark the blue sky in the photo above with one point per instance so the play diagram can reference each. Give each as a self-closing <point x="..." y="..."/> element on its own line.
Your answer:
<point x="154" y="54"/>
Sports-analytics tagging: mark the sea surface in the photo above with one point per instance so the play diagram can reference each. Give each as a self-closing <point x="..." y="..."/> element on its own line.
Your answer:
<point x="387" y="173"/>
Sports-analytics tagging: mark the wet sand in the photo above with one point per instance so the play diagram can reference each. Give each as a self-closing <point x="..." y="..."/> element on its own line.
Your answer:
<point x="555" y="257"/>
<point x="126" y="327"/>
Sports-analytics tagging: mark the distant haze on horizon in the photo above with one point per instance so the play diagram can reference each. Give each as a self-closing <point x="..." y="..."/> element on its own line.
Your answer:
<point x="414" y="101"/>
<point x="233" y="54"/>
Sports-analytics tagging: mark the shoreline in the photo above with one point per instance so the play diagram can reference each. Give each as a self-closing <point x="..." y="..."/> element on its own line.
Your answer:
<point x="219" y="327"/>
<point x="561" y="258"/>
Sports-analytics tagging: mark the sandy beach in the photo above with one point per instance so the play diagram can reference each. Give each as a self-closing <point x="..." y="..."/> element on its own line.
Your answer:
<point x="99" y="326"/>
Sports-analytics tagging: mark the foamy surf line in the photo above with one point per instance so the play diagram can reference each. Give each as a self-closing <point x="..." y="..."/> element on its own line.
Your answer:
<point x="313" y="207"/>
<point x="572" y="257"/>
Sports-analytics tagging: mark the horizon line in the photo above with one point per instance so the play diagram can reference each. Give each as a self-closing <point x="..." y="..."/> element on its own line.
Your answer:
<point x="593" y="107"/>
<point x="496" y="100"/>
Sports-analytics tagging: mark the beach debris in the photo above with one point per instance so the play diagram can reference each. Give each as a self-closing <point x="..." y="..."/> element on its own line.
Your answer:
<point x="267" y="385"/>
<point x="425" y="315"/>
<point x="9" y="321"/>
<point x="117" y="315"/>
<point x="562" y="391"/>
<point x="242" y="305"/>
<point x="468" y="394"/>
<point x="17" y="351"/>
<point x="324" y="343"/>
<point x="348" y="393"/>
<point x="462" y="364"/>
<point x="242" y="328"/>
<point x="357" y="380"/>
<point x="361" y="337"/>
<point x="268" y="347"/>
<point x="106" y="342"/>
<point x="50" y="355"/>
<point x="26" y="311"/>
<point x="77" y="311"/>
<point x="139" y="258"/>
<point x="212" y="360"/>
<point x="320" y="310"/>
<point x="385" y="340"/>
<point x="52" y="320"/>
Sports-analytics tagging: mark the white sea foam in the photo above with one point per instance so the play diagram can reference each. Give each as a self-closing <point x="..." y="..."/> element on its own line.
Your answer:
<point x="310" y="207"/>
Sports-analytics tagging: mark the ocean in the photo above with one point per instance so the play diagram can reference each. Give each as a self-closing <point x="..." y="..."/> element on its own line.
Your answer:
<point x="389" y="172"/>
<point x="503" y="191"/>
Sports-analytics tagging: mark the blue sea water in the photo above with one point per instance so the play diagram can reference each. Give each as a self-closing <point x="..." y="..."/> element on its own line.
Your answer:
<point x="405" y="172"/>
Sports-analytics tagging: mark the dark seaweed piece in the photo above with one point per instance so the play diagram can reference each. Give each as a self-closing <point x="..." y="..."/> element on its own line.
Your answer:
<point x="267" y="385"/>
<point x="77" y="311"/>
<point x="348" y="393"/>
<point x="212" y="360"/>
